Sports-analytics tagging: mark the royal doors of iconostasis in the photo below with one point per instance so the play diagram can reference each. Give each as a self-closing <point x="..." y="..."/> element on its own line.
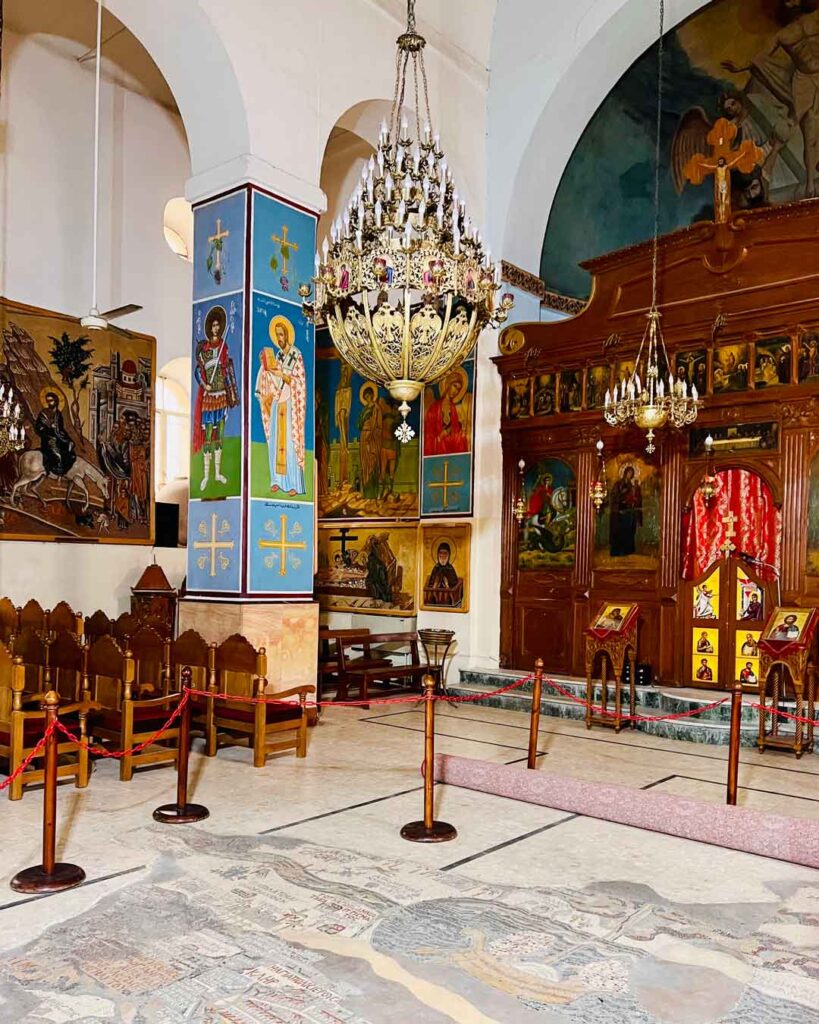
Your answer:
<point x="725" y="611"/>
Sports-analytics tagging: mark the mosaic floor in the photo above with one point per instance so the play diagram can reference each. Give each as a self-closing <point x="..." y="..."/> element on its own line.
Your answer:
<point x="297" y="901"/>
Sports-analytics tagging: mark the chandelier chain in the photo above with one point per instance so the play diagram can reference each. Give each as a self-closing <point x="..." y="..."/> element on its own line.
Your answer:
<point x="655" y="249"/>
<point x="411" y="17"/>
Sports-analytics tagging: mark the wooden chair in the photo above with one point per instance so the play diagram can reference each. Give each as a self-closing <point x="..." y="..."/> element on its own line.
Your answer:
<point x="124" y="627"/>
<point x="398" y="678"/>
<point x="31" y="646"/>
<point x="190" y="650"/>
<point x="63" y="618"/>
<point x="124" y="721"/>
<point x="66" y="667"/>
<point x="151" y="655"/>
<point x="22" y="723"/>
<point x="31" y="616"/>
<point x="9" y="620"/>
<point x="241" y="670"/>
<point x="96" y="626"/>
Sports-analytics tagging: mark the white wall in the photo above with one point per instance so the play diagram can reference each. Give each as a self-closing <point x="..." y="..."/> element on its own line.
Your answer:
<point x="46" y="118"/>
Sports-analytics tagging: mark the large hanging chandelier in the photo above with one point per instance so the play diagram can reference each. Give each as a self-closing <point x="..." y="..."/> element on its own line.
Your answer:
<point x="642" y="396"/>
<point x="404" y="282"/>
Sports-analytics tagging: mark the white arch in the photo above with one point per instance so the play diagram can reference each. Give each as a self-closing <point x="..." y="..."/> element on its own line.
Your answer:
<point x="553" y="96"/>
<point x="191" y="56"/>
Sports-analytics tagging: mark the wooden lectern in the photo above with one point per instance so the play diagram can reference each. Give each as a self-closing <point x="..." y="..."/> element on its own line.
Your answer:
<point x="613" y="636"/>
<point x="787" y="654"/>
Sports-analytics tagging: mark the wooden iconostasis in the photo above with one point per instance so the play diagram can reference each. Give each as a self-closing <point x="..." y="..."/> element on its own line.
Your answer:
<point x="741" y="321"/>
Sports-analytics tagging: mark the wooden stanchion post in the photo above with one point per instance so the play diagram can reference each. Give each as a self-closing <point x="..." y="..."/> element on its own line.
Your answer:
<point x="182" y="813"/>
<point x="429" y="830"/>
<point x="534" y="723"/>
<point x="733" y="749"/>
<point x="49" y="876"/>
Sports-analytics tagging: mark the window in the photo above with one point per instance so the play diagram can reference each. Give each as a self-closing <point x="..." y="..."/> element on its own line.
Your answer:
<point x="172" y="429"/>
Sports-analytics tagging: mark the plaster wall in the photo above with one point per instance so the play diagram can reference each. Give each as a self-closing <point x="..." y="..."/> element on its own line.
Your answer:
<point x="46" y="113"/>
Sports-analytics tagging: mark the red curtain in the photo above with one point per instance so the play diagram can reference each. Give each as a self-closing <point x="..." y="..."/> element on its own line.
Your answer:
<point x="758" y="523"/>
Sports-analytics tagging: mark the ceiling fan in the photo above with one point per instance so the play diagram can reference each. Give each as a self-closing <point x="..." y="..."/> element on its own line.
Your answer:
<point x="94" y="320"/>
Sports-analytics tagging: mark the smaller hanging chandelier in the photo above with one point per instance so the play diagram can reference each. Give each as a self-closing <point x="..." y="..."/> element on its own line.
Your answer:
<point x="598" y="492"/>
<point x="710" y="484"/>
<point x="404" y="283"/>
<point x="520" y="505"/>
<point x="12" y="431"/>
<point x="642" y="397"/>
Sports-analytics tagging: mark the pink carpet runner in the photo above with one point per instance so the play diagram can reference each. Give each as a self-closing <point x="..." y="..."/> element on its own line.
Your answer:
<point x="738" y="828"/>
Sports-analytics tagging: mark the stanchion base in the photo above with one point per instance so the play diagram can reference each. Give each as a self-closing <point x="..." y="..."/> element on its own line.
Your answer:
<point x="64" y="876"/>
<point x="173" y="814"/>
<point x="417" y="832"/>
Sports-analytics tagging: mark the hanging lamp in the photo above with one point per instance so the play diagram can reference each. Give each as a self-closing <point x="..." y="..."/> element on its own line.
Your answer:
<point x="404" y="282"/>
<point x="642" y="396"/>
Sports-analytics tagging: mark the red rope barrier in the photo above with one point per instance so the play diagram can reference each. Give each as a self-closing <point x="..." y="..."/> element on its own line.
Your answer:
<point x="92" y="748"/>
<point x="36" y="752"/>
<point x="785" y="714"/>
<point x="409" y="699"/>
<point x="634" y="718"/>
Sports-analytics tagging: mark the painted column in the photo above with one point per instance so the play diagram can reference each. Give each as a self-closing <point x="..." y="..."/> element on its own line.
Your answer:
<point x="251" y="518"/>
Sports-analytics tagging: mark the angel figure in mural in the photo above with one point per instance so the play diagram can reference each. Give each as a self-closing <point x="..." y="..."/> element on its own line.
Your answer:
<point x="446" y="421"/>
<point x="217" y="393"/>
<point x="281" y="390"/>
<point x="704" y="602"/>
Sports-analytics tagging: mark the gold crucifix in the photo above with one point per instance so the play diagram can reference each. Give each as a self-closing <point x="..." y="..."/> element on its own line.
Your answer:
<point x="287" y="247"/>
<point x="728" y="545"/>
<point x="214" y="546"/>
<point x="721" y="162"/>
<point x="445" y="484"/>
<point x="216" y="241"/>
<point x="283" y="545"/>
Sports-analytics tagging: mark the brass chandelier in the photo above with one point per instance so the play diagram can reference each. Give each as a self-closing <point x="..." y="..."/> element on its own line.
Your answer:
<point x="642" y="397"/>
<point x="404" y="282"/>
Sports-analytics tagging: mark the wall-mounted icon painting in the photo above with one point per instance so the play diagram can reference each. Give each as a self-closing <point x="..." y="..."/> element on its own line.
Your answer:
<point x="691" y="366"/>
<point x="628" y="526"/>
<point x="774" y="357"/>
<point x="544" y="394"/>
<point x="368" y="568"/>
<point x="808" y="366"/>
<point x="445" y="567"/>
<point x="547" y="534"/>
<point x="570" y="394"/>
<point x="597" y="384"/>
<point x="731" y="368"/>
<point x="518" y="398"/>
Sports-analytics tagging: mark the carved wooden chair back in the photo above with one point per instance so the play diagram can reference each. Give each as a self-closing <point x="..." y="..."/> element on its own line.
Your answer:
<point x="125" y="626"/>
<point x="62" y="617"/>
<point x="9" y="619"/>
<point x="32" y="616"/>
<point x="66" y="660"/>
<point x="97" y="625"/>
<point x="151" y="653"/>
<point x="241" y="670"/>
<point x="32" y="646"/>
<point x="8" y="671"/>
<point x="110" y="672"/>
<point x="192" y="650"/>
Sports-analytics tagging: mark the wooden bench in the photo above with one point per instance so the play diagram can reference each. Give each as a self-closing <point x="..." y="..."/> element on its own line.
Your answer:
<point x="392" y="677"/>
<point x="328" y="663"/>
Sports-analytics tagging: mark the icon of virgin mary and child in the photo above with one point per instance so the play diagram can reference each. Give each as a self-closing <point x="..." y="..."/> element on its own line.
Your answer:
<point x="281" y="390"/>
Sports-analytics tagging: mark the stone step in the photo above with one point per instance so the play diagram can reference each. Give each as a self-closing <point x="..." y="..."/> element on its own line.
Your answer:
<point x="712" y="727"/>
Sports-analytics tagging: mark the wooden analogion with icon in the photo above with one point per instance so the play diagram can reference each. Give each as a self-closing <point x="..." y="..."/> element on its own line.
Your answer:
<point x="787" y="679"/>
<point x="611" y="640"/>
<point x="706" y="564"/>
